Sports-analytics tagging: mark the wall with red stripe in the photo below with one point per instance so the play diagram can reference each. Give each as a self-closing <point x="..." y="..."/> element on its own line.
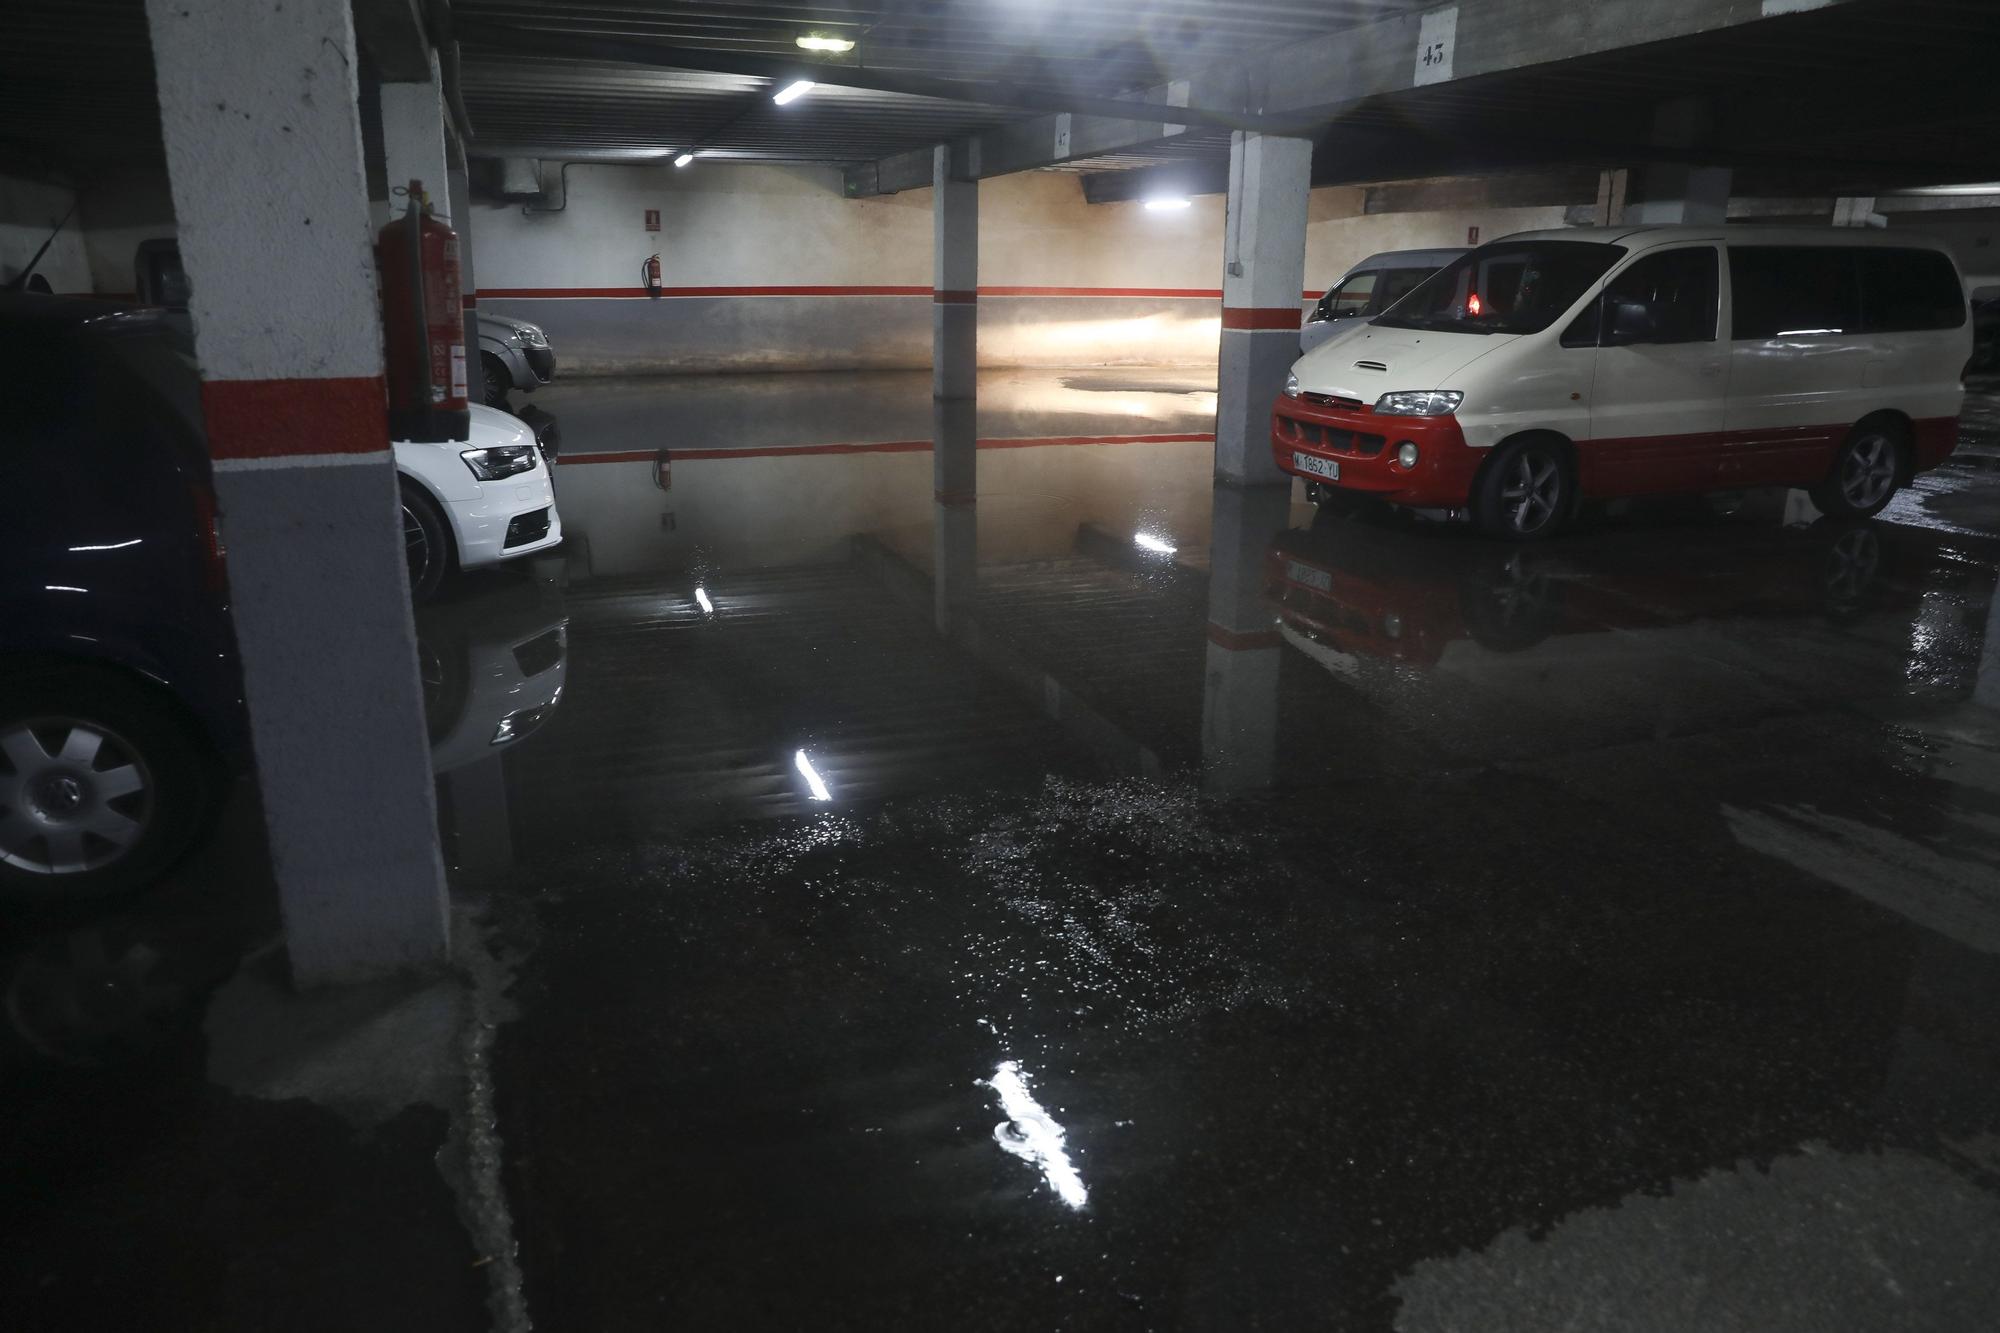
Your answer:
<point x="770" y="268"/>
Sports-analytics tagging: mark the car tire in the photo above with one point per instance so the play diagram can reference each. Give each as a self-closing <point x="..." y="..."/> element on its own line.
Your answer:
<point x="1865" y="473"/>
<point x="494" y="380"/>
<point x="1526" y="491"/>
<point x="427" y="547"/>
<point x="104" y="785"/>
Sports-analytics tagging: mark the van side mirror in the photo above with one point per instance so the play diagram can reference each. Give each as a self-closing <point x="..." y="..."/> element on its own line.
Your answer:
<point x="1630" y="322"/>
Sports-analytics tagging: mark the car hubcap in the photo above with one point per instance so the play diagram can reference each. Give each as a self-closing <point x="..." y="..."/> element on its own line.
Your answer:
<point x="1869" y="473"/>
<point x="1532" y="491"/>
<point x="73" y="796"/>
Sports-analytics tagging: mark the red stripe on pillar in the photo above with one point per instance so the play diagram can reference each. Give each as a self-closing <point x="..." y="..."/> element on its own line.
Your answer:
<point x="1260" y="317"/>
<point x="469" y="300"/>
<point x="943" y="297"/>
<point x="288" y="418"/>
<point x="1238" y="641"/>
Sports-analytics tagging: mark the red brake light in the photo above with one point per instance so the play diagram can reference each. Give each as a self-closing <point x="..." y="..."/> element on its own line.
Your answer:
<point x="1472" y="305"/>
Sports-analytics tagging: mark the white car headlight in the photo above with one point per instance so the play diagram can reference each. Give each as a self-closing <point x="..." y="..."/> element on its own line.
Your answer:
<point x="503" y="460"/>
<point x="1419" y="403"/>
<point x="1291" y="385"/>
<point x="532" y="336"/>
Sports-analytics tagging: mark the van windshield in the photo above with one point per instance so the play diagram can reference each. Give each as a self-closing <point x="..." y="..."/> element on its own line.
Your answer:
<point x="1506" y="287"/>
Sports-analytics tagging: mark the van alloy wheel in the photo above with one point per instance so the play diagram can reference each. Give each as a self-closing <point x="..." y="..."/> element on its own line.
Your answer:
<point x="74" y="796"/>
<point x="1531" y="490"/>
<point x="1868" y="472"/>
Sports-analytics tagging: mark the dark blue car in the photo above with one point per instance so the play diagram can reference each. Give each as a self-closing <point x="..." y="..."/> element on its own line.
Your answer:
<point x="120" y="695"/>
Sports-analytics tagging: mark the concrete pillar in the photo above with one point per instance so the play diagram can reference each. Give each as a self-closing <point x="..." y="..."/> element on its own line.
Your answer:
<point x="459" y="197"/>
<point x="1239" y="710"/>
<point x="1611" y="188"/>
<point x="1679" y="191"/>
<point x="955" y="275"/>
<point x="413" y="145"/>
<point x="263" y="146"/>
<point x="955" y="519"/>
<point x="1264" y="270"/>
<point x="1857" y="211"/>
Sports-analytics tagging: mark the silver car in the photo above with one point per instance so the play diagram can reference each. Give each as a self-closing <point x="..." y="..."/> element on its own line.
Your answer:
<point x="513" y="354"/>
<point x="1369" y="288"/>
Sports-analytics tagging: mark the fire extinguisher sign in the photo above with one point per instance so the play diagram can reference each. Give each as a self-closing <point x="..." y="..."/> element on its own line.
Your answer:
<point x="458" y="370"/>
<point x="652" y="219"/>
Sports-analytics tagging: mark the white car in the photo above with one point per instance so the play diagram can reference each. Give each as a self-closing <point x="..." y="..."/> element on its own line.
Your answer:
<point x="476" y="501"/>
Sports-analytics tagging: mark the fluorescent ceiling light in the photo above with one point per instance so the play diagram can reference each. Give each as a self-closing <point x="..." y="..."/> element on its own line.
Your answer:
<point x="793" y="91"/>
<point x="1033" y="1135"/>
<point x="811" y="775"/>
<point x="1166" y="205"/>
<point x="812" y="41"/>
<point x="683" y="159"/>
<point x="701" y="600"/>
<point x="1146" y="541"/>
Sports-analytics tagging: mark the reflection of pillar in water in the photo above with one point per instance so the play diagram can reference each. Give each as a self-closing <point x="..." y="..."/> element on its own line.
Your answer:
<point x="481" y="833"/>
<point x="955" y="487"/>
<point x="1987" y="688"/>
<point x="1239" y="714"/>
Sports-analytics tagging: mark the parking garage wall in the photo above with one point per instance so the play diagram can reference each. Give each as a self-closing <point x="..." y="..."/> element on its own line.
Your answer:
<point x="29" y="210"/>
<point x="770" y="268"/>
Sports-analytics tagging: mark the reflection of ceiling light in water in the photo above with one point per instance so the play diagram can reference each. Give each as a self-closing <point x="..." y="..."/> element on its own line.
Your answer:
<point x="811" y="775"/>
<point x="683" y="159"/>
<point x="1032" y="1136"/>
<point x="1146" y="541"/>
<point x="1173" y="205"/>
<point x="701" y="600"/>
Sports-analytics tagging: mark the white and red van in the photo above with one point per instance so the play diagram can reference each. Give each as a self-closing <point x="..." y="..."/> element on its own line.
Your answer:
<point x="1550" y="367"/>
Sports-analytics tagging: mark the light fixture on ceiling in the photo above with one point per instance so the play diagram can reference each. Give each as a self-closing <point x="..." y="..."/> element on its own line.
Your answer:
<point x="701" y="600"/>
<point x="814" y="783"/>
<point x="793" y="91"/>
<point x="1166" y="204"/>
<point x="814" y="41"/>
<point x="1146" y="541"/>
<point x="683" y="159"/>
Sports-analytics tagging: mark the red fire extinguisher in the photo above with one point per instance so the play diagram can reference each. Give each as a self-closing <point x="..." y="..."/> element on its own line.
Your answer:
<point x="423" y="325"/>
<point x="651" y="270"/>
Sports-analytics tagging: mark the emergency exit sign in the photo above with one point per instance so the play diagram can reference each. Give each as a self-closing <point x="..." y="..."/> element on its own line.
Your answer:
<point x="652" y="219"/>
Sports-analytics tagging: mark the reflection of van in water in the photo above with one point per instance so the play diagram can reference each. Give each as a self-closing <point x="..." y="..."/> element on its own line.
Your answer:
<point x="1550" y="367"/>
<point x="1368" y="289"/>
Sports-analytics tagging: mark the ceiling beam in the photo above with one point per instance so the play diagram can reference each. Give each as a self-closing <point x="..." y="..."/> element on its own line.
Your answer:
<point x="1317" y="79"/>
<point x="660" y="55"/>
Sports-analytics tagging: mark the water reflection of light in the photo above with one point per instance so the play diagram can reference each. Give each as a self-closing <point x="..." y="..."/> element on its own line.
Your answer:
<point x="701" y="600"/>
<point x="1031" y="1135"/>
<point x="1146" y="541"/>
<point x="811" y="775"/>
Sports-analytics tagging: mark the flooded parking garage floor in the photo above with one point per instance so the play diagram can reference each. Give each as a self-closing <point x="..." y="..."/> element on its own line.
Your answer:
<point x="928" y="869"/>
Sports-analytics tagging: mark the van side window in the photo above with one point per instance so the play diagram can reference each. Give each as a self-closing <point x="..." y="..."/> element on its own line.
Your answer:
<point x="1781" y="291"/>
<point x="1664" y="298"/>
<point x="1396" y="284"/>
<point x="1903" y="291"/>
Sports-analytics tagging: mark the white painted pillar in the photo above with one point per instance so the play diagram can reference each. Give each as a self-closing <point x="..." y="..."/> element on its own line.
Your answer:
<point x="1611" y="188"/>
<point x="263" y="144"/>
<point x="1239" y="712"/>
<point x="955" y="275"/>
<point x="1264" y="272"/>
<point x="413" y="145"/>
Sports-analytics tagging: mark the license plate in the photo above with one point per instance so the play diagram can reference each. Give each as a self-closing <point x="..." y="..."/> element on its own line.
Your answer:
<point x="1326" y="469"/>
<point x="1308" y="577"/>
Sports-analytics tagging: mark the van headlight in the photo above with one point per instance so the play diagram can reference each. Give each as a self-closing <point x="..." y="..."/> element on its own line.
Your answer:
<point x="1419" y="403"/>
<point x="1291" y="385"/>
<point x="505" y="460"/>
<point x="531" y="336"/>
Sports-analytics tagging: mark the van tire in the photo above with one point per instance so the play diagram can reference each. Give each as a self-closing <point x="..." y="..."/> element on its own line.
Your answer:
<point x="1526" y="491"/>
<point x="1867" y="470"/>
<point x="494" y="381"/>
